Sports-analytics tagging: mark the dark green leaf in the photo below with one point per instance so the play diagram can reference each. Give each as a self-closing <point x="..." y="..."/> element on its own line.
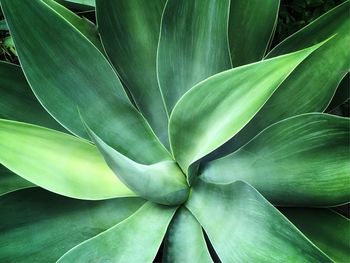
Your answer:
<point x="193" y="45"/>
<point x="17" y="101"/>
<point x="251" y="25"/>
<point x="136" y="239"/>
<point x="10" y="182"/>
<point x="38" y="226"/>
<point x="327" y="229"/>
<point x="67" y="72"/>
<point x="130" y="31"/>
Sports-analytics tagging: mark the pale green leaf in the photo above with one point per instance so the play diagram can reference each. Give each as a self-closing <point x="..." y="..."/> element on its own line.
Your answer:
<point x="136" y="239"/>
<point x="216" y="109"/>
<point x="247" y="228"/>
<point x="57" y="162"/>
<point x="161" y="182"/>
<point x="38" y="226"/>
<point x="185" y="241"/>
<point x="300" y="161"/>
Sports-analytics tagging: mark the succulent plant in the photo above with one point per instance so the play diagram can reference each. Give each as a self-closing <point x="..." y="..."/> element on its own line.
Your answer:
<point x="172" y="122"/>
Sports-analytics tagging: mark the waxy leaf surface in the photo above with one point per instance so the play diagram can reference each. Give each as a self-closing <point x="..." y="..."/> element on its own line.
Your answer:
<point x="130" y="31"/>
<point x="247" y="228"/>
<point x="58" y="162"/>
<point x="72" y="77"/>
<point x="300" y="161"/>
<point x="39" y="226"/>
<point x="185" y="241"/>
<point x="136" y="239"/>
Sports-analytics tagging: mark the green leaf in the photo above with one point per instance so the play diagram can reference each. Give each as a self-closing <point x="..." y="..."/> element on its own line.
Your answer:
<point x="77" y="77"/>
<point x="247" y="228"/>
<point x="185" y="241"/>
<point x="57" y="162"/>
<point x="130" y="32"/>
<point x="161" y="182"/>
<point x="312" y="84"/>
<point x="329" y="230"/>
<point x="326" y="229"/>
<point x="17" y="101"/>
<point x="38" y="226"/>
<point x="78" y="4"/>
<point x="193" y="45"/>
<point x="300" y="161"/>
<point x="200" y="123"/>
<point x="341" y="95"/>
<point x="85" y="27"/>
<point x="136" y="239"/>
<point x="251" y="26"/>
<point x="10" y="182"/>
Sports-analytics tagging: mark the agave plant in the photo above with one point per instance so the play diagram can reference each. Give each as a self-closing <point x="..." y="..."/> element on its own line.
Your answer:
<point x="172" y="124"/>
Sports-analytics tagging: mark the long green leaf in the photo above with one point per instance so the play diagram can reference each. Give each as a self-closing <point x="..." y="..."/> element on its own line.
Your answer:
<point x="161" y="182"/>
<point x="84" y="26"/>
<point x="327" y="229"/>
<point x="136" y="239"/>
<point x="300" y="161"/>
<point x="193" y="45"/>
<point x="130" y="31"/>
<point x="57" y="162"/>
<point x="247" y="228"/>
<point x="69" y="74"/>
<point x="251" y="25"/>
<point x="184" y="241"/>
<point x="17" y="101"/>
<point x="341" y="95"/>
<point x="38" y="226"/>
<point x="312" y="84"/>
<point x="10" y="182"/>
<point x="216" y="109"/>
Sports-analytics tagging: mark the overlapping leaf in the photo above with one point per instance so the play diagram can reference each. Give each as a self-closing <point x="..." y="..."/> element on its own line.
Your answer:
<point x="10" y="182"/>
<point x="38" y="226"/>
<point x="18" y="101"/>
<point x="193" y="45"/>
<point x="67" y="72"/>
<point x="135" y="239"/>
<point x="251" y="25"/>
<point x="312" y="84"/>
<point x="303" y="161"/>
<point x="185" y="241"/>
<point x="161" y="182"/>
<point x="58" y="162"/>
<point x="130" y="31"/>
<point x="325" y="228"/>
<point x="246" y="228"/>
<point x="216" y="109"/>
